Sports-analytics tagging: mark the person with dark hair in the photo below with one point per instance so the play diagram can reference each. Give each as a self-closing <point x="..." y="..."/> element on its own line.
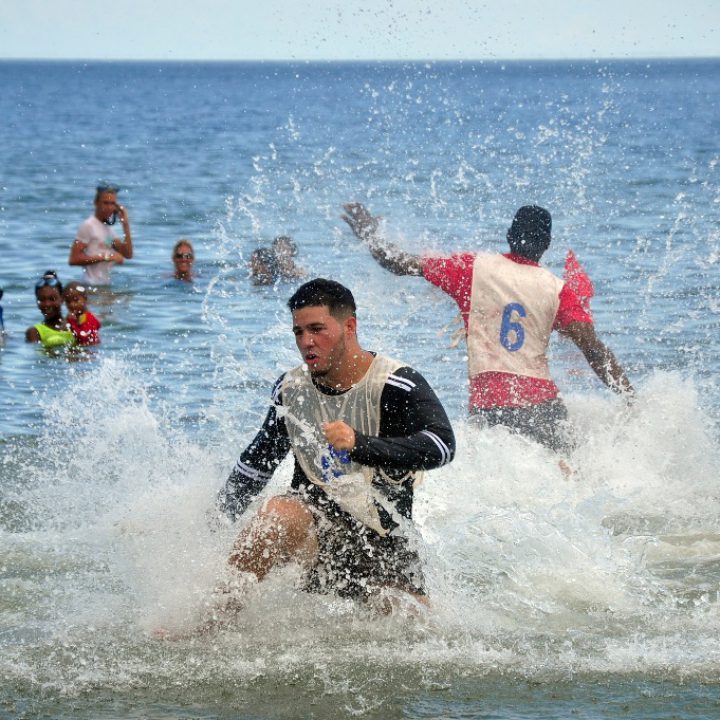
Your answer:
<point x="263" y="267"/>
<point x="96" y="247"/>
<point x="362" y="428"/>
<point x="285" y="249"/>
<point x="510" y="305"/>
<point x="53" y="331"/>
<point x="83" y="324"/>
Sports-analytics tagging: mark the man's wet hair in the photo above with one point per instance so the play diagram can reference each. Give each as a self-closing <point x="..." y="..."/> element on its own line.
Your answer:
<point x="317" y="292"/>
<point x="529" y="234"/>
<point x="105" y="188"/>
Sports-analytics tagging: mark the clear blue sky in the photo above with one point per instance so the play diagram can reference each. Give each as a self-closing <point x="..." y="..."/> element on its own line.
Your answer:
<point x="376" y="29"/>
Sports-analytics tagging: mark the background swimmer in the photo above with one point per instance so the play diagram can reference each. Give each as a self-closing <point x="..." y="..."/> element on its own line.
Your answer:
<point x="83" y="324"/>
<point x="285" y="250"/>
<point x="52" y="332"/>
<point x="183" y="257"/>
<point x="263" y="267"/>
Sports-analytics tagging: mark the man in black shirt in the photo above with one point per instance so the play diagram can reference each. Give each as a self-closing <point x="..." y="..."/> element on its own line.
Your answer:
<point x="362" y="428"/>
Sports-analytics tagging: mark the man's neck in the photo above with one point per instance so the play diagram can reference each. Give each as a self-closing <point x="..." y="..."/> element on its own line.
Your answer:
<point x="521" y="259"/>
<point x="353" y="370"/>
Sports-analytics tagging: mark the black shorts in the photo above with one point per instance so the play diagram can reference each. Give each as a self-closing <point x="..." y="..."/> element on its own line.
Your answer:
<point x="546" y="423"/>
<point x="353" y="560"/>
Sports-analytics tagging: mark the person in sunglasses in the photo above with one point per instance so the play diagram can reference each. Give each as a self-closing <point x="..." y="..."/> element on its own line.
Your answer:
<point x="183" y="257"/>
<point x="53" y="331"/>
<point x="96" y="247"/>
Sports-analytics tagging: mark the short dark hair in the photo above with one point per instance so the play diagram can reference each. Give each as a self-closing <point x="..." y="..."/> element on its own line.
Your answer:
<point x="105" y="188"/>
<point x="77" y="287"/>
<point x="529" y="234"/>
<point x="284" y="240"/>
<point x="337" y="297"/>
<point x="264" y="255"/>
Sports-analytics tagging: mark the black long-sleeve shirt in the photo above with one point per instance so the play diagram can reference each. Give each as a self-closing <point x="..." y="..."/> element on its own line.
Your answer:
<point x="415" y="434"/>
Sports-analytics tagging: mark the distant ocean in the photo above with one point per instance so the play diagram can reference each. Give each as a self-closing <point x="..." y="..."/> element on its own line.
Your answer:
<point x="594" y="597"/>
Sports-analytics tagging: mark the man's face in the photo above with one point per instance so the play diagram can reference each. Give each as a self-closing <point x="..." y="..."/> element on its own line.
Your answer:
<point x="105" y="205"/>
<point x="320" y="338"/>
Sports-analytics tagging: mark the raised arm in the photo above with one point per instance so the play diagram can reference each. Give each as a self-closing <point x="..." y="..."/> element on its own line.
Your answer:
<point x="599" y="356"/>
<point x="365" y="227"/>
<point x="124" y="246"/>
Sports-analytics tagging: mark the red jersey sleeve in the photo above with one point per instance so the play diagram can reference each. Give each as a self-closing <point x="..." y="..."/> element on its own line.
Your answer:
<point x="570" y="310"/>
<point x="452" y="275"/>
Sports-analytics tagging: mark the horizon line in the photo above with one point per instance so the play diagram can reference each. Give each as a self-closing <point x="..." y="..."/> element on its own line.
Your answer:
<point x="611" y="58"/>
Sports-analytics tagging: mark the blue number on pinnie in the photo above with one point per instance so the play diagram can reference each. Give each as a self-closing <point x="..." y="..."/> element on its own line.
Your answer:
<point x="332" y="463"/>
<point x="512" y="333"/>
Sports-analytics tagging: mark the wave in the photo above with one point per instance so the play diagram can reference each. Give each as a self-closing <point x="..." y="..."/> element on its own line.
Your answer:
<point x="107" y="533"/>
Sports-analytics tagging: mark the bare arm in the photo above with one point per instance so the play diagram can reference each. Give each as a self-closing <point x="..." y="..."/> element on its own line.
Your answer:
<point x="365" y="228"/>
<point x="124" y="246"/>
<point x="599" y="356"/>
<point x="79" y="257"/>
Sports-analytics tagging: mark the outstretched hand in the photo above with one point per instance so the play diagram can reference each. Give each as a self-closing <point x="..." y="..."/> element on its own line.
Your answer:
<point x="361" y="222"/>
<point x="365" y="227"/>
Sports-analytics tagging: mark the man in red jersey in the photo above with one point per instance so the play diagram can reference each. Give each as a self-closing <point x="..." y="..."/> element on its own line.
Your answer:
<point x="509" y="305"/>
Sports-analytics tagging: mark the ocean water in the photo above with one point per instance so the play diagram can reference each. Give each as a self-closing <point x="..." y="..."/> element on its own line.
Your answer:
<point x="590" y="597"/>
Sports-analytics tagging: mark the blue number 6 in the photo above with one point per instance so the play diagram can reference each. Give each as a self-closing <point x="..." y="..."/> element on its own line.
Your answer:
<point x="508" y="326"/>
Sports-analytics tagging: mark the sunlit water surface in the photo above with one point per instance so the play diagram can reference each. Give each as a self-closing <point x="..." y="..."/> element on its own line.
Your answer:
<point x="594" y="596"/>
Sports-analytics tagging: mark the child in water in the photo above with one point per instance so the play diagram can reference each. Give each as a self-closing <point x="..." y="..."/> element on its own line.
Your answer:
<point x="83" y="324"/>
<point x="52" y="332"/>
